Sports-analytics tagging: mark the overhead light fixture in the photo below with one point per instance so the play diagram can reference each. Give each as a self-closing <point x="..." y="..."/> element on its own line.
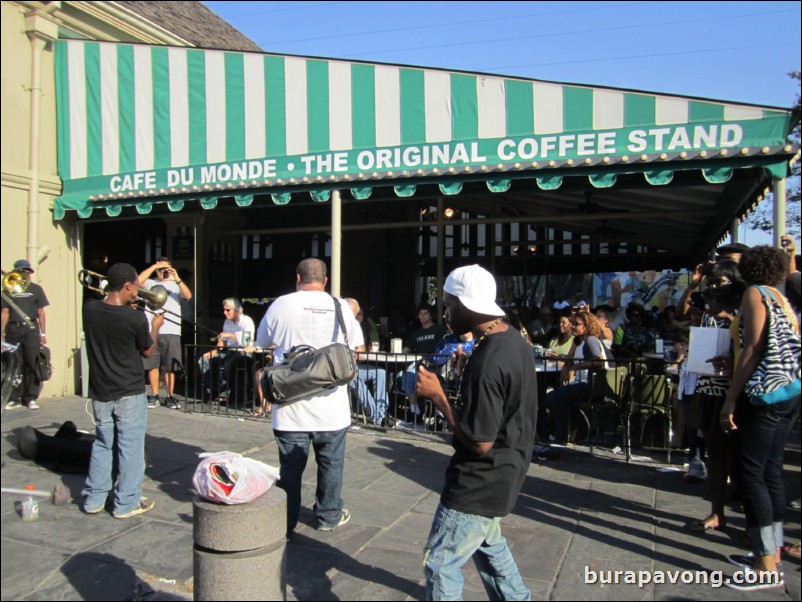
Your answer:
<point x="448" y="212"/>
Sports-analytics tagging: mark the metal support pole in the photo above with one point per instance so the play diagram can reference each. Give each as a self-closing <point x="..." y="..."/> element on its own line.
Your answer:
<point x="336" y="242"/>
<point x="780" y="199"/>
<point x="441" y="251"/>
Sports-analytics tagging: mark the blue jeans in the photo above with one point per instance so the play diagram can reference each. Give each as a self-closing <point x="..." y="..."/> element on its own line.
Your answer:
<point x="375" y="405"/>
<point x="763" y="431"/>
<point x="454" y="538"/>
<point x="219" y="372"/>
<point x="129" y="415"/>
<point x="559" y="403"/>
<point x="293" y="453"/>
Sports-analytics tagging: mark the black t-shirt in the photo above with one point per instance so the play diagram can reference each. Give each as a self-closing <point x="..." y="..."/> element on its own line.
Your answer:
<point x="499" y="404"/>
<point x="424" y="340"/>
<point x="30" y="302"/>
<point x="115" y="335"/>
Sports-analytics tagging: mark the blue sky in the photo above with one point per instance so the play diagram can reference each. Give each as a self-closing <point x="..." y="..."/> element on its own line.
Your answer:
<point x="737" y="51"/>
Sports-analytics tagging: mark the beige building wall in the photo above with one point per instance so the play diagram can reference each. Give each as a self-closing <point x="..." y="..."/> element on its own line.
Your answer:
<point x="30" y="181"/>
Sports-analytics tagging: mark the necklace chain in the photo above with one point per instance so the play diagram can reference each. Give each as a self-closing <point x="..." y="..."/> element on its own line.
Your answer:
<point x="458" y="401"/>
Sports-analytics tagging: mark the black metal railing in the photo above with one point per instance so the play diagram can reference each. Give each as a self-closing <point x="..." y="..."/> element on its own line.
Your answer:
<point x="625" y="396"/>
<point x="383" y="396"/>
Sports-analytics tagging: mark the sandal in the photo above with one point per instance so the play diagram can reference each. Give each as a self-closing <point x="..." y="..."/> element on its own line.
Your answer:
<point x="792" y="549"/>
<point x="702" y="526"/>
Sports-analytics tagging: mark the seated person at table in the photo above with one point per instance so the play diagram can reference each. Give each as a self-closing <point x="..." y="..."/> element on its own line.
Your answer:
<point x="218" y="364"/>
<point x="453" y="350"/>
<point x="602" y="313"/>
<point x="633" y="338"/>
<point x="575" y="382"/>
<point x="541" y="325"/>
<point x="373" y="402"/>
<point x="422" y="341"/>
<point x="564" y="341"/>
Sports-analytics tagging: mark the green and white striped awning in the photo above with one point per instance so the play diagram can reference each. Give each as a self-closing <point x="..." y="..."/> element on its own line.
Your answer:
<point x="143" y="124"/>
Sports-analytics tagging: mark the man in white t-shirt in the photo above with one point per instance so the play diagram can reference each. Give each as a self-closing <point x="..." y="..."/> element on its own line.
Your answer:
<point x="168" y="355"/>
<point x="308" y="317"/>
<point x="219" y="365"/>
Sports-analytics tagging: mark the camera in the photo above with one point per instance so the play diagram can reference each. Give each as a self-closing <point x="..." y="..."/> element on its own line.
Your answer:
<point x="429" y="363"/>
<point x="698" y="300"/>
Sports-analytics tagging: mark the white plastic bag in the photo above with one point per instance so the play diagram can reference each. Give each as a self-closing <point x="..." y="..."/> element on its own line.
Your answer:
<point x="230" y="478"/>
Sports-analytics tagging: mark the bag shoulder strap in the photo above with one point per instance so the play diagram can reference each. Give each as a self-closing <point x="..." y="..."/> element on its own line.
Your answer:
<point x="339" y="311"/>
<point x="781" y="302"/>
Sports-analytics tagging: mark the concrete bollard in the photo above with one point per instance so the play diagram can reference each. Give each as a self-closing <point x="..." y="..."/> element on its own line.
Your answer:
<point x="239" y="551"/>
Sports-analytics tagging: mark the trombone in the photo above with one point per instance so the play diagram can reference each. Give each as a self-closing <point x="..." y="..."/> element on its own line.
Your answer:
<point x="154" y="298"/>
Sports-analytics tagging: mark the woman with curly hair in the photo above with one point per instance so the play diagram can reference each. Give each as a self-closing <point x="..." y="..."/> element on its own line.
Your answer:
<point x="589" y="355"/>
<point x="769" y="362"/>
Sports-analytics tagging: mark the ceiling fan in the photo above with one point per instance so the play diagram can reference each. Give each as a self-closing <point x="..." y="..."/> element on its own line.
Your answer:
<point x="589" y="207"/>
<point x="605" y="231"/>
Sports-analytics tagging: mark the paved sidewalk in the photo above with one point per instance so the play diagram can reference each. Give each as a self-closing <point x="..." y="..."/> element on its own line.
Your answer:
<point x="575" y="511"/>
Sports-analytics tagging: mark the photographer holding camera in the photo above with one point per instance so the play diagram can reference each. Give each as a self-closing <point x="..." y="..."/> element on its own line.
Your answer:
<point x="168" y="354"/>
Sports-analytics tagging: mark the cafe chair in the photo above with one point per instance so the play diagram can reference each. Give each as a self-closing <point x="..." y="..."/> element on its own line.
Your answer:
<point x="650" y="397"/>
<point x="607" y="402"/>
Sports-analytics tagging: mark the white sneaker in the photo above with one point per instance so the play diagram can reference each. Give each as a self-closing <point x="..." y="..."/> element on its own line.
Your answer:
<point x="13" y="404"/>
<point x="346" y="516"/>
<point x="144" y="505"/>
<point x="752" y="581"/>
<point x="32" y="405"/>
<point x="696" y="472"/>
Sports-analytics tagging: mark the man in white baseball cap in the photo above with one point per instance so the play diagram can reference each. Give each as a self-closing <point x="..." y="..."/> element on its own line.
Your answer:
<point x="475" y="287"/>
<point x="493" y="421"/>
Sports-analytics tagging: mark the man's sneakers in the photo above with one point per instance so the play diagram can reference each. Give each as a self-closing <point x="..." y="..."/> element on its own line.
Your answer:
<point x="696" y="472"/>
<point x="167" y="402"/>
<point x="144" y="505"/>
<point x="16" y="403"/>
<point x="346" y="516"/>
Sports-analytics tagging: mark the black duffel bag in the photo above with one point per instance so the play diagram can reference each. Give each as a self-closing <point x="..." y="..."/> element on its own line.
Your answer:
<point x="307" y="370"/>
<point x="44" y="369"/>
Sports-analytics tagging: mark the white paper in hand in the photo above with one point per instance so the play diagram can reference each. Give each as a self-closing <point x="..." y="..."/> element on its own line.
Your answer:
<point x="707" y="343"/>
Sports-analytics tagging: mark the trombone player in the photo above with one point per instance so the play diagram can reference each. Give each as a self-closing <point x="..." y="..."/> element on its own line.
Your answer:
<point x="169" y="349"/>
<point x="27" y="330"/>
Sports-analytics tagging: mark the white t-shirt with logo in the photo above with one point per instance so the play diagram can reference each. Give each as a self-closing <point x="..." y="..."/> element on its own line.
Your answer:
<point x="309" y="318"/>
<point x="243" y="325"/>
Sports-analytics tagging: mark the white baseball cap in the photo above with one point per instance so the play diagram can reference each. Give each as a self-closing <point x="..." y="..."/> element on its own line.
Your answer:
<point x="476" y="288"/>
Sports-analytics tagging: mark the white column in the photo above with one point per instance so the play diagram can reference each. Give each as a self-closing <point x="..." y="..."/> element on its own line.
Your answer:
<point x="336" y="242"/>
